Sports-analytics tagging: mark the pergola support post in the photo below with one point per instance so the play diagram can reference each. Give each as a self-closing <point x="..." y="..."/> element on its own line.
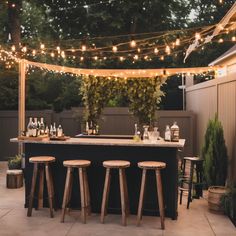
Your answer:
<point x="21" y="104"/>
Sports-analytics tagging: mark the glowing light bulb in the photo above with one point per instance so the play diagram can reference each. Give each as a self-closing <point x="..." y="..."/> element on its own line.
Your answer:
<point x="162" y="58"/>
<point x="104" y="58"/>
<point x="83" y="48"/>
<point x="58" y="48"/>
<point x="72" y="50"/>
<point x="220" y="40"/>
<point x="13" y="48"/>
<point x="24" y="49"/>
<point x="114" y="48"/>
<point x="63" y="54"/>
<point x="135" y="57"/>
<point x="233" y="38"/>
<point x="197" y="36"/>
<point x="139" y="50"/>
<point x="167" y="50"/>
<point x="156" y="50"/>
<point x="132" y="44"/>
<point x="81" y="58"/>
<point x="42" y="46"/>
<point x="34" y="52"/>
<point x="95" y="58"/>
<point x="121" y="58"/>
<point x="52" y="54"/>
<point x="177" y="42"/>
<point x="13" y="5"/>
<point x="145" y="57"/>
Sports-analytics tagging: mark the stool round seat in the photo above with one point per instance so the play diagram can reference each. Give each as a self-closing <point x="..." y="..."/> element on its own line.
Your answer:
<point x="151" y="165"/>
<point x="76" y="163"/>
<point x="193" y="158"/>
<point x="42" y="159"/>
<point x="116" y="164"/>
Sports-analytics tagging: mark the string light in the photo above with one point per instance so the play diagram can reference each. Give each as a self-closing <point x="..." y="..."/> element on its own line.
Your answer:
<point x="114" y="49"/>
<point x="162" y="58"/>
<point x="220" y="40"/>
<point x="167" y="50"/>
<point x="156" y="50"/>
<point x="58" y="49"/>
<point x="95" y="58"/>
<point x="24" y="49"/>
<point x="132" y="44"/>
<point x="197" y="36"/>
<point x="34" y="52"/>
<point x="121" y="58"/>
<point x="81" y="58"/>
<point x="135" y="57"/>
<point x="233" y="38"/>
<point x="63" y="55"/>
<point x="83" y="48"/>
<point x="52" y="54"/>
<point x="13" y="48"/>
<point x="139" y="50"/>
<point x="177" y="42"/>
<point x="42" y="46"/>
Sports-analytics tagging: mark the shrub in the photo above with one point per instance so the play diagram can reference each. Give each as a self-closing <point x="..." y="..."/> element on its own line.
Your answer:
<point x="214" y="153"/>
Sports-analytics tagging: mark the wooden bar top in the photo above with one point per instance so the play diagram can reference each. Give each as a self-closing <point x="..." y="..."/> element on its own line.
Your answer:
<point x="105" y="142"/>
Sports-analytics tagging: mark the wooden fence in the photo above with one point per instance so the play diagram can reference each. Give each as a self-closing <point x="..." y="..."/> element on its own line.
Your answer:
<point x="113" y="121"/>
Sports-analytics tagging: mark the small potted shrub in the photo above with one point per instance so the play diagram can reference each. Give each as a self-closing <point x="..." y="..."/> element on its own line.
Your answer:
<point x="214" y="153"/>
<point x="15" y="173"/>
<point x="14" y="162"/>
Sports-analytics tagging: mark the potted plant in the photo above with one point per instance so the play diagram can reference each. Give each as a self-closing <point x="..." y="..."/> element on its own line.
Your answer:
<point x="14" y="174"/>
<point x="214" y="153"/>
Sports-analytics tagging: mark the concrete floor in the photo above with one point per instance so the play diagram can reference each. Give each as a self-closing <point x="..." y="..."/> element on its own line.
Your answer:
<point x="14" y="222"/>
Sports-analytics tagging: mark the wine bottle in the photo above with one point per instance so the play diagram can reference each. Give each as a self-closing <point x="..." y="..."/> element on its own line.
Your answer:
<point x="59" y="131"/>
<point x="30" y="128"/>
<point x="42" y="127"/>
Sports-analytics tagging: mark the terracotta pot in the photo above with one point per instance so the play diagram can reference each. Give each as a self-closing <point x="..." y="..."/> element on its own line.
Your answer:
<point x="215" y="194"/>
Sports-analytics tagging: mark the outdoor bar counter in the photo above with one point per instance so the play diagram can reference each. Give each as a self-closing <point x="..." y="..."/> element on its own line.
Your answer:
<point x="98" y="150"/>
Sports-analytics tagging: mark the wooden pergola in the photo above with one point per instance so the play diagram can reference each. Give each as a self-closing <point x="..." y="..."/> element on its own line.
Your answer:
<point x="113" y="73"/>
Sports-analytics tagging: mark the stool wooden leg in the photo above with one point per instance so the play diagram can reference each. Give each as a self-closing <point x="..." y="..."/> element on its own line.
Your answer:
<point x="190" y="185"/>
<point x="49" y="187"/>
<point x="122" y="196"/>
<point x="41" y="186"/>
<point x="126" y="194"/>
<point x="66" y="193"/>
<point x="53" y="191"/>
<point x="141" y="197"/>
<point x="31" y="199"/>
<point x="105" y="195"/>
<point x="182" y="181"/>
<point x="87" y="192"/>
<point x="160" y="198"/>
<point x="68" y="198"/>
<point x="82" y="195"/>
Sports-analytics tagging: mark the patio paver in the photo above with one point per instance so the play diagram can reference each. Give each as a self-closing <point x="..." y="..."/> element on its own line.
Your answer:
<point x="195" y="221"/>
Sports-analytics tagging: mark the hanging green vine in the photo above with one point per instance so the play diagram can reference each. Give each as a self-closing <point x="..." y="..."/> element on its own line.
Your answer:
<point x="143" y="95"/>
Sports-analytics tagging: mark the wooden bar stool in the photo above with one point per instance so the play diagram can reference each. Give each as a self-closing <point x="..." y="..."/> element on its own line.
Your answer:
<point x="81" y="165"/>
<point x="41" y="163"/>
<point x="120" y="165"/>
<point x="196" y="164"/>
<point x="157" y="166"/>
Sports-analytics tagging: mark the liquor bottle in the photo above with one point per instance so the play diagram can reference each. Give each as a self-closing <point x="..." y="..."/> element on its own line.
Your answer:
<point x="30" y="128"/>
<point x="145" y="134"/>
<point x="136" y="136"/>
<point x="175" y="132"/>
<point x="46" y="132"/>
<point x="167" y="134"/>
<point x="42" y="127"/>
<point x="90" y="131"/>
<point x="34" y="132"/>
<point x="54" y="130"/>
<point x="51" y="131"/>
<point x="59" y="131"/>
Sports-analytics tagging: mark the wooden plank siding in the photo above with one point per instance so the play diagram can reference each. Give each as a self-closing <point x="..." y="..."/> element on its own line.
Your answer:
<point x="205" y="100"/>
